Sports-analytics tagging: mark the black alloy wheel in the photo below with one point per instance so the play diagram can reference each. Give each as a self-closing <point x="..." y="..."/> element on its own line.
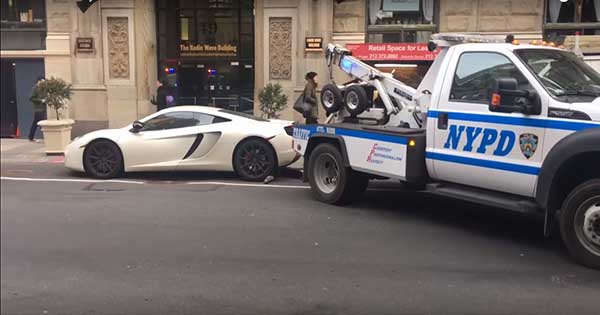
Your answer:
<point x="102" y="159"/>
<point x="254" y="160"/>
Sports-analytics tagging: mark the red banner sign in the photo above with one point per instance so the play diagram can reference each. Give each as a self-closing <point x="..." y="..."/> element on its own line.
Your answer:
<point x="392" y="51"/>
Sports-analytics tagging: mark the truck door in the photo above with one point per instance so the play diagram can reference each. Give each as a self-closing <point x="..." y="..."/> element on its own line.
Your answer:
<point x="477" y="147"/>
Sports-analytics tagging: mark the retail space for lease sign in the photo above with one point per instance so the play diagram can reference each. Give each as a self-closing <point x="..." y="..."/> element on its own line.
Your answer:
<point x="392" y="51"/>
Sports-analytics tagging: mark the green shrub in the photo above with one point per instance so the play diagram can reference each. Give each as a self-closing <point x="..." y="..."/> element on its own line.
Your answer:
<point x="54" y="92"/>
<point x="272" y="100"/>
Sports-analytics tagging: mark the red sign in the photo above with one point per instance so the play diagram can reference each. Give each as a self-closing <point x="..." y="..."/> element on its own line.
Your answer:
<point x="392" y="51"/>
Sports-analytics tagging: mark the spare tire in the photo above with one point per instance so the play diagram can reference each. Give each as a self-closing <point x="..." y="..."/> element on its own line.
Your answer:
<point x="331" y="98"/>
<point x="356" y="100"/>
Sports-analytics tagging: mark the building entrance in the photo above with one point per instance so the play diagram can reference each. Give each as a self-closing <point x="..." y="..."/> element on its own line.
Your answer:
<point x="206" y="51"/>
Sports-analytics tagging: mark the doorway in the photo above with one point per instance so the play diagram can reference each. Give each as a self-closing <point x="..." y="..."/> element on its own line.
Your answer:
<point x="8" y="102"/>
<point x="18" y="78"/>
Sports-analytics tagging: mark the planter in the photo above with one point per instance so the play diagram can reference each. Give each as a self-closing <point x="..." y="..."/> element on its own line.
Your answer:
<point x="57" y="134"/>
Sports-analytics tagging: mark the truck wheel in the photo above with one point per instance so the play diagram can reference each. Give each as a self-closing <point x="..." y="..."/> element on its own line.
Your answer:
<point x="331" y="98"/>
<point x="356" y="100"/>
<point x="330" y="181"/>
<point x="580" y="223"/>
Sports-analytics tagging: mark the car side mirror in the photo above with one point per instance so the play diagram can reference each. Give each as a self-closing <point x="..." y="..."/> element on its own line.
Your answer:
<point x="505" y="97"/>
<point x="136" y="126"/>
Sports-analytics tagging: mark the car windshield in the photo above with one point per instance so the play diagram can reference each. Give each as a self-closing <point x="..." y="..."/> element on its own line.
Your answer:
<point x="563" y="74"/>
<point x="230" y="112"/>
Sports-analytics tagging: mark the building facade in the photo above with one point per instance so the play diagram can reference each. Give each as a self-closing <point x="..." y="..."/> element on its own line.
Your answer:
<point x="223" y="52"/>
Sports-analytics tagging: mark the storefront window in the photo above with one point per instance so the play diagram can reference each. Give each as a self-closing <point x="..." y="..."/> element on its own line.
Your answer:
<point x="567" y="18"/>
<point x="407" y="21"/>
<point x="23" y="24"/>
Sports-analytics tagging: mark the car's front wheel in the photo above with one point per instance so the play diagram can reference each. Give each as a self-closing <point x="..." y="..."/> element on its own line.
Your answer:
<point x="103" y="159"/>
<point x="254" y="160"/>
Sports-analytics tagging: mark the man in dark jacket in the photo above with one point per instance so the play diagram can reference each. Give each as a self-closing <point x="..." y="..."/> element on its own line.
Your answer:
<point x="161" y="95"/>
<point x="39" y="109"/>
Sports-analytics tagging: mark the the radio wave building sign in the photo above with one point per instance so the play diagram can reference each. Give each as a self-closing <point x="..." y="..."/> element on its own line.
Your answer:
<point x="392" y="51"/>
<point x="205" y="50"/>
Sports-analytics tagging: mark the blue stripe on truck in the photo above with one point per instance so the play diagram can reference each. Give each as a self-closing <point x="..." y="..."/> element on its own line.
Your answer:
<point x="503" y="166"/>
<point x="518" y="121"/>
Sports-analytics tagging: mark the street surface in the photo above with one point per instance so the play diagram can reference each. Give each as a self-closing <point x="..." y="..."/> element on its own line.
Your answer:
<point x="207" y="243"/>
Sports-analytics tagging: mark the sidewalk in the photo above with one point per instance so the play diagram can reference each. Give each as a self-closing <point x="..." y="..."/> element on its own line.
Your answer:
<point x="23" y="150"/>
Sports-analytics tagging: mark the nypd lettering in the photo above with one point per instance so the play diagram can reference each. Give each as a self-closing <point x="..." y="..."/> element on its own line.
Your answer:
<point x="500" y="142"/>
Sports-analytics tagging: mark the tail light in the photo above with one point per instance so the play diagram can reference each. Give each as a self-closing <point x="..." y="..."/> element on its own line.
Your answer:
<point x="289" y="129"/>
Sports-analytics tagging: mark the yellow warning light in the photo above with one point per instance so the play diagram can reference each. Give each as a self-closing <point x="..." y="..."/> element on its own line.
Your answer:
<point x="544" y="43"/>
<point x="515" y="42"/>
<point x="412" y="143"/>
<point x="551" y="44"/>
<point x="533" y="42"/>
<point x="561" y="46"/>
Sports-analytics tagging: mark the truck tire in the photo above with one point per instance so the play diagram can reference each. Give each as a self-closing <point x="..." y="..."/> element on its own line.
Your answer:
<point x="329" y="180"/>
<point x="356" y="100"/>
<point x="580" y="223"/>
<point x="331" y="98"/>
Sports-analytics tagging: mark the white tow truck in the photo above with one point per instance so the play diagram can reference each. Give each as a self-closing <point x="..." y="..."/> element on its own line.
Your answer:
<point x="493" y="122"/>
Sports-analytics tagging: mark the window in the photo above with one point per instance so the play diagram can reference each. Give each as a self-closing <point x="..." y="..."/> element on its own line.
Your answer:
<point x="568" y="17"/>
<point x="475" y="74"/>
<point x="23" y="24"/>
<point x="563" y="75"/>
<point x="408" y="21"/>
<point x="175" y="120"/>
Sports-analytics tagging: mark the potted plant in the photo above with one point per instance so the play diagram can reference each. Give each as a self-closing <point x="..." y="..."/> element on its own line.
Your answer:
<point x="272" y="100"/>
<point x="55" y="93"/>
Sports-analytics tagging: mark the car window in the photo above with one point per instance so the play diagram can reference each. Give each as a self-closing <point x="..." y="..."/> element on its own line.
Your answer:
<point x="475" y="74"/>
<point x="181" y="119"/>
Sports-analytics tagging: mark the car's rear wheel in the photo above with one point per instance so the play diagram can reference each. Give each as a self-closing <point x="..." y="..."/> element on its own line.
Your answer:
<point x="103" y="159"/>
<point x="254" y="160"/>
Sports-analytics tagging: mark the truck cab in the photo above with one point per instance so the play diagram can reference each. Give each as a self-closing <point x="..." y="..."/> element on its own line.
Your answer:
<point x="499" y="123"/>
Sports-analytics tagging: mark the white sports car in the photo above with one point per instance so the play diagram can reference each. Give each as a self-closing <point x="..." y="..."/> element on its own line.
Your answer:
<point x="186" y="138"/>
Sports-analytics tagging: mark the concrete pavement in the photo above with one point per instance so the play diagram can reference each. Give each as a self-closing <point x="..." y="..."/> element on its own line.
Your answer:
<point x="203" y="243"/>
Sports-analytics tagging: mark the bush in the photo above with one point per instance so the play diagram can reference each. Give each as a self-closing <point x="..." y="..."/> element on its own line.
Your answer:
<point x="54" y="92"/>
<point x="272" y="100"/>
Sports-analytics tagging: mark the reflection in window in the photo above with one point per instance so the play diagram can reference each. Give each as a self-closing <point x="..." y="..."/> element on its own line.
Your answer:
<point x="400" y="21"/>
<point x="175" y="120"/>
<point x="475" y="74"/>
<point x="22" y="14"/>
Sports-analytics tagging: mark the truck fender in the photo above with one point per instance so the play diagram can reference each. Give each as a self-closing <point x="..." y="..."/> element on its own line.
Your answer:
<point x="319" y="138"/>
<point x="584" y="144"/>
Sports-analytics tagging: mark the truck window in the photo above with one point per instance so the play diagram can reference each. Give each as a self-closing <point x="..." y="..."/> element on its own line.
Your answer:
<point x="475" y="74"/>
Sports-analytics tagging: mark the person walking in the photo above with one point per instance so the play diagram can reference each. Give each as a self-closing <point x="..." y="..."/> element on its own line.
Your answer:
<point x="310" y="97"/>
<point x="161" y="95"/>
<point x="39" y="108"/>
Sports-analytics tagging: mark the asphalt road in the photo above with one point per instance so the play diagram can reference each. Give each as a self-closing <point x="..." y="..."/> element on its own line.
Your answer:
<point x="163" y="245"/>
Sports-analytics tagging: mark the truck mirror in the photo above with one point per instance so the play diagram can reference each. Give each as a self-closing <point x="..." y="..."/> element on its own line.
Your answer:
<point x="505" y="97"/>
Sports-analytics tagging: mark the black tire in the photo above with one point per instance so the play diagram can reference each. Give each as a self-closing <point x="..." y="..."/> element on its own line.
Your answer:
<point x="582" y="239"/>
<point x="254" y="160"/>
<point x="331" y="98"/>
<point x="356" y="100"/>
<point x="341" y="185"/>
<point x="103" y="159"/>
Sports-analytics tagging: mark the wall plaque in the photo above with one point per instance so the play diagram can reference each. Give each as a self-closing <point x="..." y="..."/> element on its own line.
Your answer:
<point x="313" y="44"/>
<point x="84" y="45"/>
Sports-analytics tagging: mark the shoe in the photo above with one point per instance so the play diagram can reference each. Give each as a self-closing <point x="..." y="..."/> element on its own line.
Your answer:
<point x="269" y="179"/>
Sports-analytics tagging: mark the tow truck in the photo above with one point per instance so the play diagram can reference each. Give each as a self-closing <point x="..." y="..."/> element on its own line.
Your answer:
<point x="495" y="122"/>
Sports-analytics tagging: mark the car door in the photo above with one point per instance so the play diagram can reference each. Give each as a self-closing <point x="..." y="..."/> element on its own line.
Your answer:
<point x="161" y="143"/>
<point x="477" y="147"/>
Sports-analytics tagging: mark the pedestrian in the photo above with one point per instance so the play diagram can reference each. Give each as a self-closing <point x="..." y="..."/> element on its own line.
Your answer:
<point x="310" y="97"/>
<point x="39" y="108"/>
<point x="161" y="95"/>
